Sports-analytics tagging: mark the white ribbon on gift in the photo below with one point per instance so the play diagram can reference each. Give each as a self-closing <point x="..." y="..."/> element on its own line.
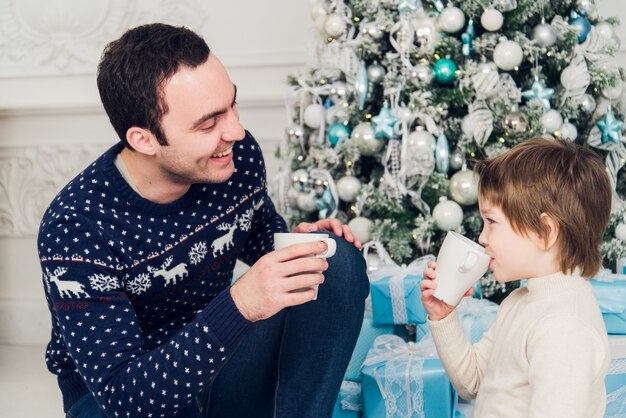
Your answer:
<point x="616" y="400"/>
<point x="396" y="286"/>
<point x="393" y="351"/>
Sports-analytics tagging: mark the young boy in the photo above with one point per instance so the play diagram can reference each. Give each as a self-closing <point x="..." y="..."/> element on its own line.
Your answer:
<point x="545" y="205"/>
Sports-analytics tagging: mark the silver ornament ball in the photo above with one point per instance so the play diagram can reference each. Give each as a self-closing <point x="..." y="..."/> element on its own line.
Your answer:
<point x="422" y="74"/>
<point x="464" y="187"/>
<point x="376" y="73"/>
<point x="545" y="34"/>
<point x="515" y="123"/>
<point x="457" y="159"/>
<point x="587" y="103"/>
<point x="363" y="136"/>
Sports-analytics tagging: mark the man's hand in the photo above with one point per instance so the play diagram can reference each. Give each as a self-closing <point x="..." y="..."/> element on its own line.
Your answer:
<point x="268" y="286"/>
<point x="332" y="225"/>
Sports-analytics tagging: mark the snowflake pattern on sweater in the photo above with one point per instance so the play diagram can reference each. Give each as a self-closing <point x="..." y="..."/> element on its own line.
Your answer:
<point x="139" y="292"/>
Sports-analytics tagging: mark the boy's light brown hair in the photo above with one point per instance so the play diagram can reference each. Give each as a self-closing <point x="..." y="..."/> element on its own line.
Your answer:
<point x="566" y="181"/>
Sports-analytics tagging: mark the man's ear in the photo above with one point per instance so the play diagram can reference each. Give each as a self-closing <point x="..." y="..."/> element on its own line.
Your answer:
<point x="551" y="230"/>
<point x="141" y="140"/>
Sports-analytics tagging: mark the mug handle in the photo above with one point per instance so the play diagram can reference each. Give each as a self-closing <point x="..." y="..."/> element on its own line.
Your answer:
<point x="331" y="247"/>
<point x="470" y="260"/>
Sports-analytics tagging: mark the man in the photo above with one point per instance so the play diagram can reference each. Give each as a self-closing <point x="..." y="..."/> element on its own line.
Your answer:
<point x="137" y="254"/>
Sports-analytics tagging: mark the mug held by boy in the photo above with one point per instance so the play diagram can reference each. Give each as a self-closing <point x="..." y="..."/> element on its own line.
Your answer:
<point x="461" y="262"/>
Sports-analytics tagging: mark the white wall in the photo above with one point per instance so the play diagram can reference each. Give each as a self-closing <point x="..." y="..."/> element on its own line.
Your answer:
<point x="52" y="123"/>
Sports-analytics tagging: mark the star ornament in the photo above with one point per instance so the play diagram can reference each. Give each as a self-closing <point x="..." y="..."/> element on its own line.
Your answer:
<point x="384" y="123"/>
<point x="406" y="6"/>
<point x="610" y="128"/>
<point x="539" y="92"/>
<point x="326" y="204"/>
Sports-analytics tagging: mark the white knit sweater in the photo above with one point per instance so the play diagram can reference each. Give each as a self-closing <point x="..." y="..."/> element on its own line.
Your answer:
<point x="545" y="356"/>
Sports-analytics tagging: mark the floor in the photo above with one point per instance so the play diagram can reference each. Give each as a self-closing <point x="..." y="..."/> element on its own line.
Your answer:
<point x="27" y="389"/>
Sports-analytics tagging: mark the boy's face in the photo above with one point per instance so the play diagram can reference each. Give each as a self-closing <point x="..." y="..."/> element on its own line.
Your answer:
<point x="513" y="255"/>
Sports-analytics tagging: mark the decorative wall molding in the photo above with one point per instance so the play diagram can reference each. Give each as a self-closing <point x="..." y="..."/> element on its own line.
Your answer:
<point x="67" y="36"/>
<point x="30" y="177"/>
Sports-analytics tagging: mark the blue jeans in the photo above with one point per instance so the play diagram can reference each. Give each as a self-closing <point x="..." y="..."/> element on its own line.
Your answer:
<point x="291" y="365"/>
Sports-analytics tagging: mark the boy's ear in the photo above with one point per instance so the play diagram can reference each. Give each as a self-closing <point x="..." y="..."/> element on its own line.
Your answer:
<point x="551" y="231"/>
<point x="141" y="140"/>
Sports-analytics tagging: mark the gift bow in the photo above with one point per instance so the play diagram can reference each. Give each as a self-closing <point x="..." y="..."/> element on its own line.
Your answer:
<point x="392" y="349"/>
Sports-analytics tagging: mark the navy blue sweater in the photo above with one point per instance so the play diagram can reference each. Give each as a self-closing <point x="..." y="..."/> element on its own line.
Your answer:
<point x="142" y="315"/>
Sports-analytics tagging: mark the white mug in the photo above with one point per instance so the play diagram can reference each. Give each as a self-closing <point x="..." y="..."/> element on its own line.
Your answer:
<point x="461" y="262"/>
<point x="285" y="239"/>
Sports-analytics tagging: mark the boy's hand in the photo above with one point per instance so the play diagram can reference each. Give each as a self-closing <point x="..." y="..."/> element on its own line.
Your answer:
<point x="436" y="308"/>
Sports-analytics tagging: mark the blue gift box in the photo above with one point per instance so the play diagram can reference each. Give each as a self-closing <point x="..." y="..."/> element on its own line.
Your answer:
<point x="406" y="380"/>
<point x="369" y="332"/>
<point x="349" y="402"/>
<point x="610" y="291"/>
<point x="616" y="379"/>
<point x="476" y="317"/>
<point x="396" y="296"/>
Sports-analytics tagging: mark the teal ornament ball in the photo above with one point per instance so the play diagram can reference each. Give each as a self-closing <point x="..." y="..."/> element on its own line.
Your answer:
<point x="582" y="26"/>
<point x="338" y="132"/>
<point x="445" y="71"/>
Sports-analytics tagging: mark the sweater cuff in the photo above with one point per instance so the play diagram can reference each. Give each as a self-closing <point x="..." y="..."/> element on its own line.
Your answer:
<point x="446" y="331"/>
<point x="225" y="321"/>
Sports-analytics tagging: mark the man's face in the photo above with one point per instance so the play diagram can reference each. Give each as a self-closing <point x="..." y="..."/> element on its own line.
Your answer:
<point x="513" y="255"/>
<point x="201" y="125"/>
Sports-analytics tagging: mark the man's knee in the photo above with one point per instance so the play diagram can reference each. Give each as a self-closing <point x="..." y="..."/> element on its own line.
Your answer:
<point x="347" y="270"/>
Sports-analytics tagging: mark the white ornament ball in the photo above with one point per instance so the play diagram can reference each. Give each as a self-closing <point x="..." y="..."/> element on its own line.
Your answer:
<point x="464" y="187"/>
<point x="361" y="228"/>
<point x="447" y="214"/>
<point x="545" y="34"/>
<point x="620" y="231"/>
<point x="306" y="202"/>
<point x="292" y="197"/>
<point x="320" y="22"/>
<point x="605" y="29"/>
<point x="334" y="25"/>
<point x="363" y="136"/>
<point x="466" y="126"/>
<point x="491" y="20"/>
<point x="567" y="131"/>
<point x="451" y="19"/>
<point x="421" y="140"/>
<point x="613" y="92"/>
<point x="507" y="55"/>
<point x="551" y="121"/>
<point x="317" y="9"/>
<point x="313" y="115"/>
<point x="348" y="188"/>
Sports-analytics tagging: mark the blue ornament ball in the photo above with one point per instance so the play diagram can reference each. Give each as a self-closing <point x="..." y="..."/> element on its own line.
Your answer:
<point x="338" y="132"/>
<point x="445" y="71"/>
<point x="582" y="27"/>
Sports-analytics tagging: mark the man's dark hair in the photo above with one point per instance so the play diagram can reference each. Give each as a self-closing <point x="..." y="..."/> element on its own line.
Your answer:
<point x="133" y="69"/>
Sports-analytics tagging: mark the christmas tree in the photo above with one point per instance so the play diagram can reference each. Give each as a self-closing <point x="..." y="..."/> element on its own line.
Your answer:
<point x="404" y="95"/>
